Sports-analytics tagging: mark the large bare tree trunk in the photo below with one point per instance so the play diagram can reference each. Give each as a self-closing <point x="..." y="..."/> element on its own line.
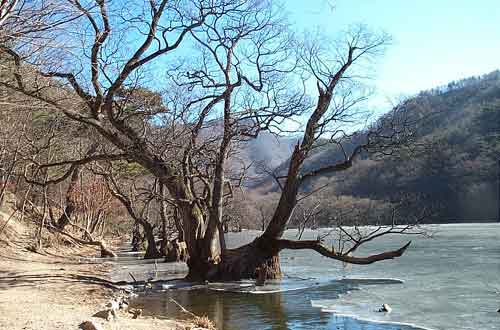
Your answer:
<point x="152" y="251"/>
<point x="201" y="221"/>
<point x="246" y="261"/>
<point x="201" y="261"/>
<point x="262" y="255"/>
<point x="136" y="237"/>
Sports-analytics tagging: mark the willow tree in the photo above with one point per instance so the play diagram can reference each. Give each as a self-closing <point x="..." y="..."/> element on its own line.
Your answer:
<point x="227" y="70"/>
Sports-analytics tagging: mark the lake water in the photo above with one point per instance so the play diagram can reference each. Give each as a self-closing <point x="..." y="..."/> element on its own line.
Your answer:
<point x="450" y="281"/>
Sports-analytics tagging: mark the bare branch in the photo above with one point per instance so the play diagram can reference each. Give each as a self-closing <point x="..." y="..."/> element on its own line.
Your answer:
<point x="324" y="251"/>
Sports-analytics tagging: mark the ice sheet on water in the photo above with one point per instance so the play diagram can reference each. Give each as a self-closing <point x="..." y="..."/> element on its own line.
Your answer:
<point x="370" y="281"/>
<point x="281" y="286"/>
<point x="364" y="306"/>
<point x="450" y="282"/>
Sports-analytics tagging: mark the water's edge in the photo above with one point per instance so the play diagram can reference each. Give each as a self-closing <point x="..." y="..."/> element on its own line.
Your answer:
<point x="434" y="295"/>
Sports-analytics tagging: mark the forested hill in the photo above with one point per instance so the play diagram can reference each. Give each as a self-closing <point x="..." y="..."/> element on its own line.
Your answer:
<point x="458" y="174"/>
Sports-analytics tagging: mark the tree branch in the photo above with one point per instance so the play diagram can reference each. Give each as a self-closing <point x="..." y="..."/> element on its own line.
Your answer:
<point x="74" y="164"/>
<point x="321" y="249"/>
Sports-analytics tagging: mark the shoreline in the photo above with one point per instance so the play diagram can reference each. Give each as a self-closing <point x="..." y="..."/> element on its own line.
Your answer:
<point x="52" y="291"/>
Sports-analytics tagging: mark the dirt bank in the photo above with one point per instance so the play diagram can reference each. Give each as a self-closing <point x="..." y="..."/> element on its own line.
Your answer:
<point x="55" y="290"/>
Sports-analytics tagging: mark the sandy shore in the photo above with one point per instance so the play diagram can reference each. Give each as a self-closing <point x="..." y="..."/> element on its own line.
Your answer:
<point x="55" y="291"/>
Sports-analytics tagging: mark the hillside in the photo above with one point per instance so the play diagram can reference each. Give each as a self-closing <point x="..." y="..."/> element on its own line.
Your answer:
<point x="456" y="172"/>
<point x="262" y="154"/>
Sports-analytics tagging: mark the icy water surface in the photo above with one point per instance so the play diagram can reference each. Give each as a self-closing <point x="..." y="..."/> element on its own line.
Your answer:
<point x="451" y="281"/>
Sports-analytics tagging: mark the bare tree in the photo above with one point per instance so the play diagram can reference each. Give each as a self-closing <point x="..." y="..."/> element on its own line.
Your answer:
<point x="233" y="72"/>
<point x="307" y="217"/>
<point x="138" y="201"/>
<point x="10" y="149"/>
<point x="6" y="9"/>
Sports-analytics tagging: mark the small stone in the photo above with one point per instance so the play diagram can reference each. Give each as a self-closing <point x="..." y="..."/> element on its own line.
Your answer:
<point x="113" y="305"/>
<point x="385" y="308"/>
<point x="106" y="314"/>
<point x="498" y="310"/>
<point x="90" y="325"/>
<point x="135" y="312"/>
<point x="123" y="304"/>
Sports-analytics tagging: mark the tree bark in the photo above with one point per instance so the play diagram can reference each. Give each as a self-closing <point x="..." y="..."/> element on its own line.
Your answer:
<point x="151" y="249"/>
<point x="136" y="237"/>
<point x="175" y="251"/>
<point x="247" y="261"/>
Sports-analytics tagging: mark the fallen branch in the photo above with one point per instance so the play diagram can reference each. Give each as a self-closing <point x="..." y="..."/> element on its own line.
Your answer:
<point x="183" y="309"/>
<point x="105" y="252"/>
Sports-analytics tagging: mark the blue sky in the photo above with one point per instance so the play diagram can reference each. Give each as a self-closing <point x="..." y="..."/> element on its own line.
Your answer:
<point x="435" y="41"/>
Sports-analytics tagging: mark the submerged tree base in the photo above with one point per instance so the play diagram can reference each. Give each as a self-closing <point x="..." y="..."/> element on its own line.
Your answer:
<point x="254" y="260"/>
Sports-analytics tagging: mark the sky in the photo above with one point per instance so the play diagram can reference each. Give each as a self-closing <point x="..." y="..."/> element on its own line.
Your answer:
<point x="434" y="41"/>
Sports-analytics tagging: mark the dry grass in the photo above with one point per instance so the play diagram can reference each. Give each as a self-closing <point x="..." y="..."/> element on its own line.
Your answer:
<point x="204" y="322"/>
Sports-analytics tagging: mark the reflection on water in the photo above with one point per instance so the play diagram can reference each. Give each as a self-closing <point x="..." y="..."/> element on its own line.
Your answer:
<point x="283" y="310"/>
<point x="450" y="282"/>
<point x="228" y="310"/>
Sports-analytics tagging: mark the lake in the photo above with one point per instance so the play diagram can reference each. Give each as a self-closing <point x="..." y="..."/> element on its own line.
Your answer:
<point x="450" y="281"/>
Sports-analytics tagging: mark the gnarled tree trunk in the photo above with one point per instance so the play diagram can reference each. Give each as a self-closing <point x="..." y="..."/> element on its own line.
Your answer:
<point x="247" y="260"/>
<point x="201" y="221"/>
<point x="152" y="251"/>
<point x="136" y="237"/>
